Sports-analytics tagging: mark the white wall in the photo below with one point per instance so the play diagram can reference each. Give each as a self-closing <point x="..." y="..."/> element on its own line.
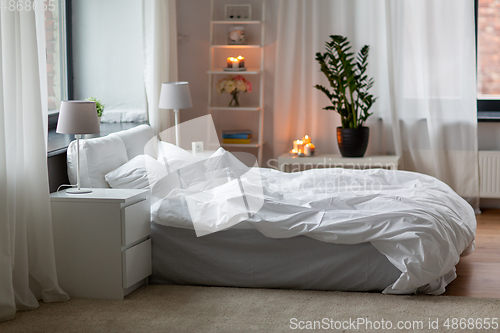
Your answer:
<point x="193" y="24"/>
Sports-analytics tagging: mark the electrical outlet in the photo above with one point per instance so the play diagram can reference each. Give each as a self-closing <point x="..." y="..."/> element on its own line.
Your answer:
<point x="238" y="12"/>
<point x="197" y="147"/>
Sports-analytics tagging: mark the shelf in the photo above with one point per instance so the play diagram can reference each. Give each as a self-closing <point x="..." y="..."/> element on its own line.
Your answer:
<point x="236" y="22"/>
<point x="218" y="46"/>
<point x="252" y="71"/>
<point x="252" y="144"/>
<point x="236" y="46"/>
<point x="234" y="108"/>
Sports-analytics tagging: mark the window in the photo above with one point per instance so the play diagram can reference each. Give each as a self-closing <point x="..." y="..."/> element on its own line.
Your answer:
<point x="108" y="57"/>
<point x="488" y="58"/>
<point x="55" y="39"/>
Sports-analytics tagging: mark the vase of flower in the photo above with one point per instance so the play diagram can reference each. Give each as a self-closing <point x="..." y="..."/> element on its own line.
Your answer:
<point x="233" y="86"/>
<point x="234" y="101"/>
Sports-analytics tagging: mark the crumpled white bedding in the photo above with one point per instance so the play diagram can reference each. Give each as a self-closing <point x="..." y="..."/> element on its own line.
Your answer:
<point x="419" y="223"/>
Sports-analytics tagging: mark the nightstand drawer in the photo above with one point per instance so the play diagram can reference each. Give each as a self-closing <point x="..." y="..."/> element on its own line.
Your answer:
<point x="136" y="263"/>
<point x="136" y="222"/>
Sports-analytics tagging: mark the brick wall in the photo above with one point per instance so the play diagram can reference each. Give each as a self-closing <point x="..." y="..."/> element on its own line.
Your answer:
<point x="53" y="58"/>
<point x="489" y="47"/>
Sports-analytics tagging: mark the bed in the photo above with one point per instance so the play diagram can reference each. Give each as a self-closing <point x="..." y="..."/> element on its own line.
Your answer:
<point x="217" y="221"/>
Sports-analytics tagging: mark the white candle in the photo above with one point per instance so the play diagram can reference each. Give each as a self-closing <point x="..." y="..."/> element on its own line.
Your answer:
<point x="307" y="150"/>
<point x="300" y="145"/>
<point x="236" y="63"/>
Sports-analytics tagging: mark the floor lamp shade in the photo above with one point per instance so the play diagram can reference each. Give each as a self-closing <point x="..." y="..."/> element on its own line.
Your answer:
<point x="78" y="117"/>
<point x="175" y="95"/>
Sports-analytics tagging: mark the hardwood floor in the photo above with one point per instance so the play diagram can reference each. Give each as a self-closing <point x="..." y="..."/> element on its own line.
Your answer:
<point x="479" y="273"/>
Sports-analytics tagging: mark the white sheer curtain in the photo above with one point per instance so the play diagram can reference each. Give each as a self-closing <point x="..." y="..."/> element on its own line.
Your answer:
<point x="160" y="56"/>
<point x="27" y="264"/>
<point x="422" y="56"/>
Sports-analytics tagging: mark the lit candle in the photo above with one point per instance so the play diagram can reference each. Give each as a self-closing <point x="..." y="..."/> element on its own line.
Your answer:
<point x="306" y="139"/>
<point x="307" y="150"/>
<point x="300" y="145"/>
<point x="296" y="145"/>
<point x="294" y="151"/>
<point x="241" y="60"/>
<point x="233" y="62"/>
<point x="236" y="62"/>
<point x="311" y="147"/>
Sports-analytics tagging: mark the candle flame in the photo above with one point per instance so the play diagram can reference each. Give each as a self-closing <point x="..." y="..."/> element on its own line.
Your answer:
<point x="240" y="58"/>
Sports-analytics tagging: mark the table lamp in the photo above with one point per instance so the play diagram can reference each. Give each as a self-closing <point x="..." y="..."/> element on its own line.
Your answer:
<point x="175" y="95"/>
<point x="78" y="117"/>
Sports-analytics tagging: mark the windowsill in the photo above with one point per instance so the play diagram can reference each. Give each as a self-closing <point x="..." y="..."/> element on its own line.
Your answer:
<point x="58" y="143"/>
<point x="488" y="116"/>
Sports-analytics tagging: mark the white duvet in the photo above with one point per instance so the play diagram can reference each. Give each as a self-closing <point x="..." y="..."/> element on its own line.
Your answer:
<point x="419" y="223"/>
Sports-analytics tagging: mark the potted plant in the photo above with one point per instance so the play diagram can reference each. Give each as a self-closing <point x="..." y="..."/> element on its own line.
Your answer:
<point x="99" y="107"/>
<point x="348" y="94"/>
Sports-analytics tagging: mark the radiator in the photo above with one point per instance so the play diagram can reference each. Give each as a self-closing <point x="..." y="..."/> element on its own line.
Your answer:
<point x="489" y="174"/>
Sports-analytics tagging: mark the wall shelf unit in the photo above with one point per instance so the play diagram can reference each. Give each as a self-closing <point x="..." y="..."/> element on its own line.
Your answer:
<point x="252" y="51"/>
<point x="250" y="71"/>
<point x="252" y="144"/>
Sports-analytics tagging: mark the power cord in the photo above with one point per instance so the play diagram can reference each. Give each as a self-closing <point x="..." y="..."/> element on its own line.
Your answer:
<point x="64" y="185"/>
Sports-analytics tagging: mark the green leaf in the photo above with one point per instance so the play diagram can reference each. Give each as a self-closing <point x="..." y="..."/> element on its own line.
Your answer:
<point x="345" y="72"/>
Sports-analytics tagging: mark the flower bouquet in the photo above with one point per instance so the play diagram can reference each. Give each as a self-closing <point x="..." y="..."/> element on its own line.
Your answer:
<point x="234" y="85"/>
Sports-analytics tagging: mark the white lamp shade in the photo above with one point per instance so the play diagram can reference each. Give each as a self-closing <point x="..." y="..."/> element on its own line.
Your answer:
<point x="175" y="95"/>
<point x="78" y="117"/>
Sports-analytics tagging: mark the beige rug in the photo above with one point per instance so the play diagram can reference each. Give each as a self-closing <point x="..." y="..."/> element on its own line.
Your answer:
<point x="208" y="309"/>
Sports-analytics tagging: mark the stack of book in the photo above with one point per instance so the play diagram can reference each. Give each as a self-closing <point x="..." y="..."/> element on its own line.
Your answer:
<point x="237" y="136"/>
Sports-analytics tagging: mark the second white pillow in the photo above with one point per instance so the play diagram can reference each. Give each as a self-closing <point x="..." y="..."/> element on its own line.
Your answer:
<point x="141" y="172"/>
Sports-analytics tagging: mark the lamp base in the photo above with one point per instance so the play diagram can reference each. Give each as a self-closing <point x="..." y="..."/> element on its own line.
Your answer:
<point x="78" y="191"/>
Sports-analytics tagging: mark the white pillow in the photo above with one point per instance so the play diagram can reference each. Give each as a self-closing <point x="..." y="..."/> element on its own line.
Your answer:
<point x="173" y="157"/>
<point x="98" y="156"/>
<point x="141" y="172"/>
<point x="140" y="140"/>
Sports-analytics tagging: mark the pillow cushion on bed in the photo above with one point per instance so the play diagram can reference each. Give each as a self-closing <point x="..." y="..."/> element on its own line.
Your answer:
<point x="174" y="157"/>
<point x="98" y="156"/>
<point x="138" y="173"/>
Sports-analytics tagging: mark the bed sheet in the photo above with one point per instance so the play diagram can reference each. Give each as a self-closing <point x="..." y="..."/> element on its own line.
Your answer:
<point x="246" y="258"/>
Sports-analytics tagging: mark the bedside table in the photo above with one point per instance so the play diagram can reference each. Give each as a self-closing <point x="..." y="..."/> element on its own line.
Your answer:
<point x="290" y="163"/>
<point x="101" y="242"/>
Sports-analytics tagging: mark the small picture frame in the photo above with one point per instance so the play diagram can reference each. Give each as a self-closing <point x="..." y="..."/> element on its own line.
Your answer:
<point x="238" y="12"/>
<point x="236" y="35"/>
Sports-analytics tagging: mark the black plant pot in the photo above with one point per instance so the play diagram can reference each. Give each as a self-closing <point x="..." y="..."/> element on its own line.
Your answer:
<point x="353" y="141"/>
